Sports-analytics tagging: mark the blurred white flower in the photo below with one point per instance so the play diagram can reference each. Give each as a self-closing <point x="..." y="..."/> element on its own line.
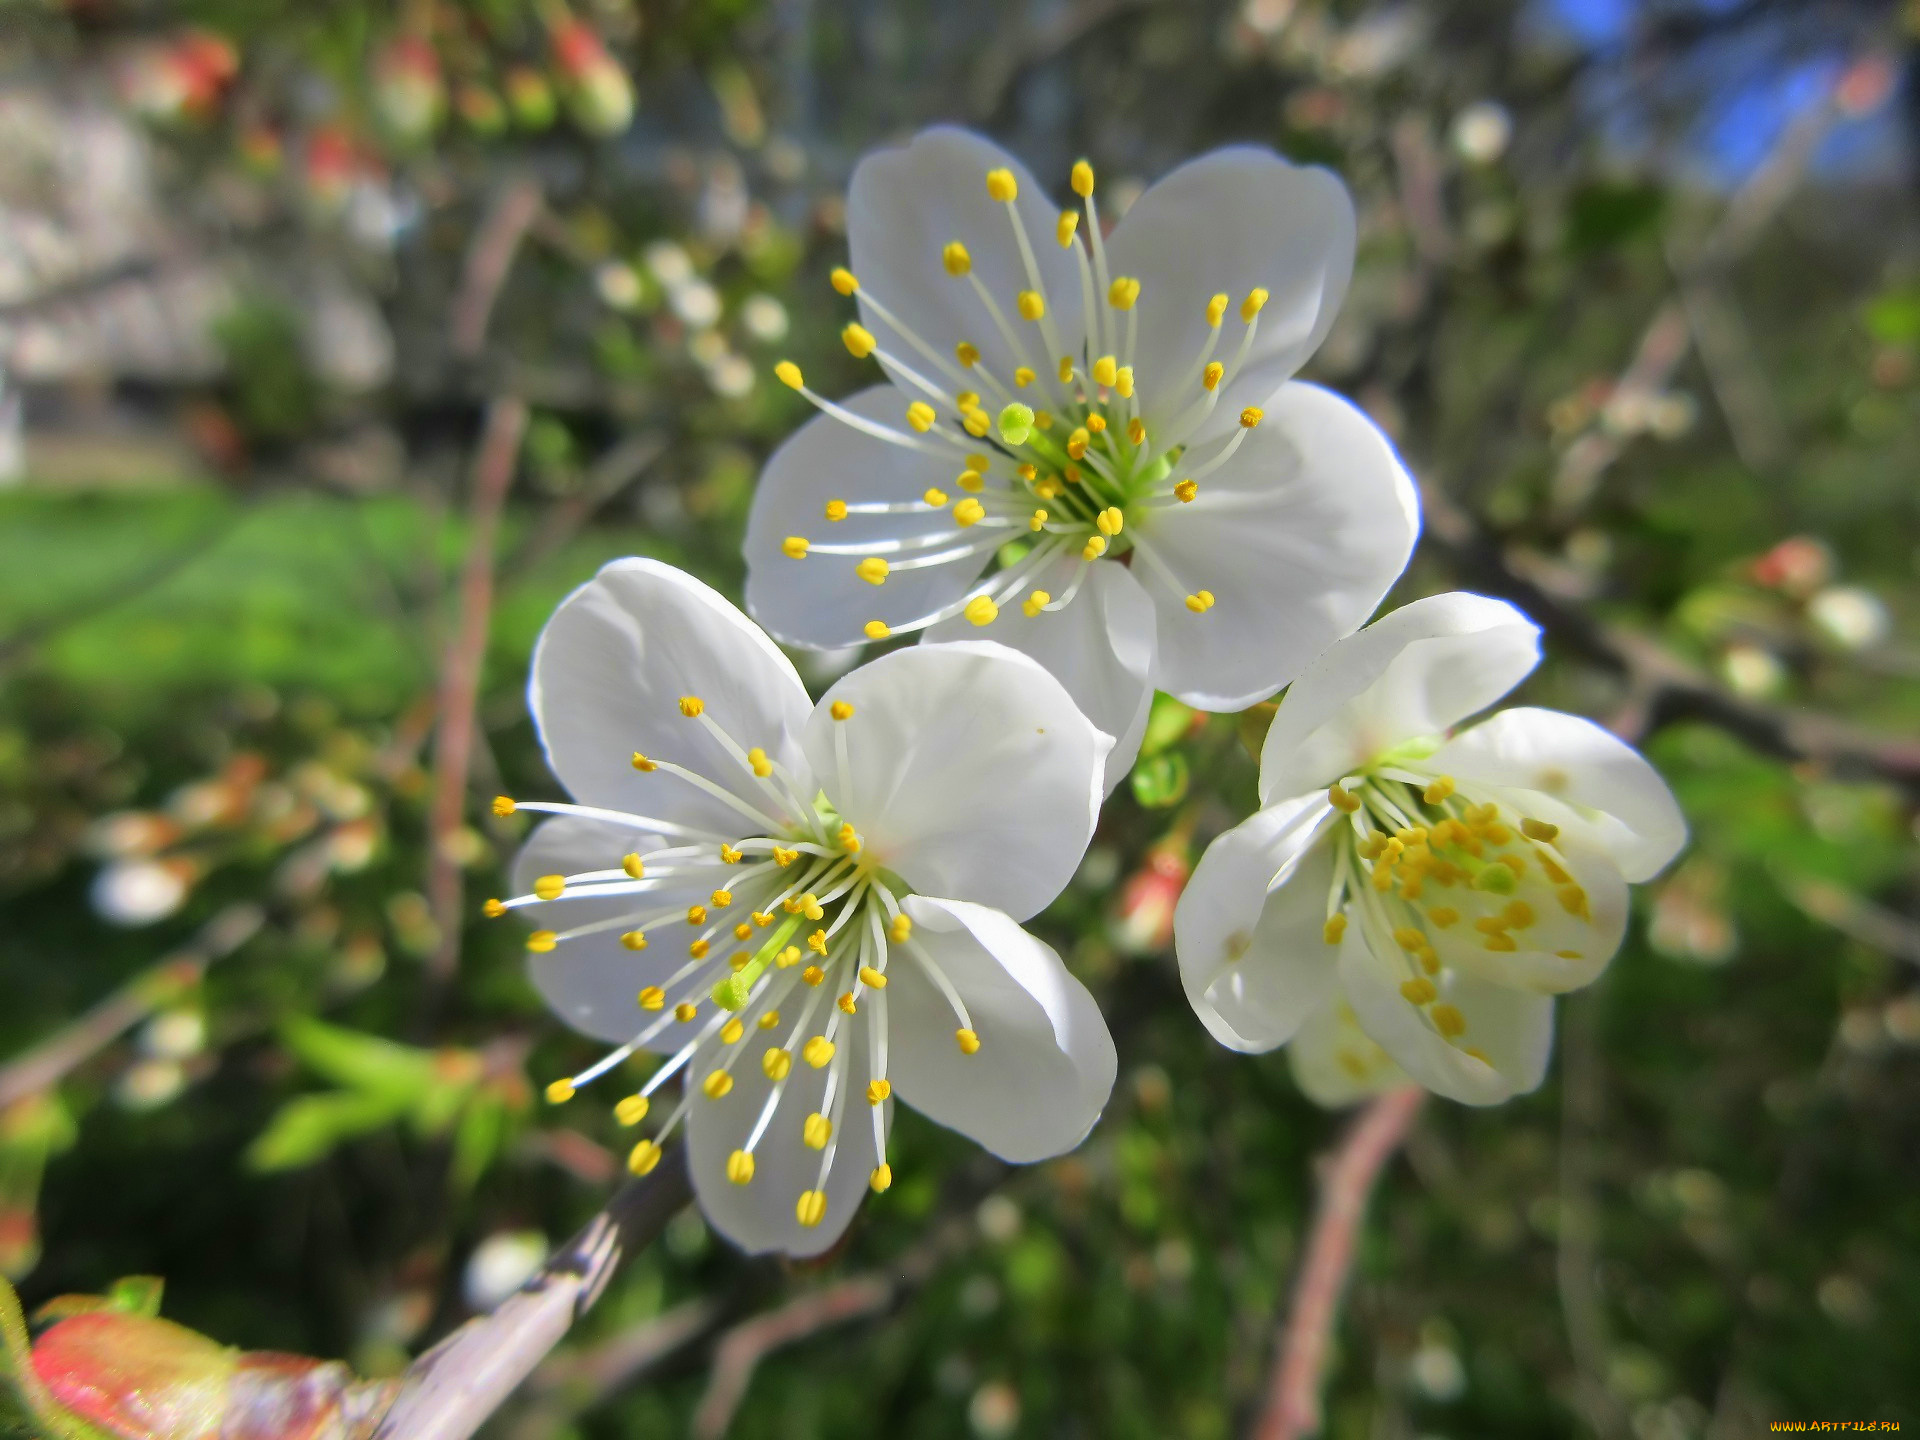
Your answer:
<point x="617" y="283"/>
<point x="139" y="892"/>
<point x="174" y="1035"/>
<point x="1437" y="1372"/>
<point x="149" y="1084"/>
<point x="500" y="1265"/>
<point x="765" y="318"/>
<point x="669" y="262"/>
<point x="994" y="1410"/>
<point x="731" y="375"/>
<point x="1482" y="132"/>
<point x="1753" y="670"/>
<point x="696" y="302"/>
<point x="1849" y="616"/>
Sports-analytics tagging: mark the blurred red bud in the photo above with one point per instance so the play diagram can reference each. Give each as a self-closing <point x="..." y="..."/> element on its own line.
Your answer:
<point x="1144" y="920"/>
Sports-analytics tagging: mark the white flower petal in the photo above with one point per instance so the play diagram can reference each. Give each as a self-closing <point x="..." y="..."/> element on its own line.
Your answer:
<point x="1511" y="1028"/>
<point x="760" y="1216"/>
<point x="609" y="672"/>
<point x="1413" y="673"/>
<point x="1579" y="777"/>
<point x="1335" y="1062"/>
<point x="970" y="772"/>
<point x="1299" y="536"/>
<point x="593" y="981"/>
<point x="1252" y="956"/>
<point x="820" y="601"/>
<point x="1559" y="950"/>
<point x="1046" y="1063"/>
<point x="906" y="204"/>
<point x="1226" y="222"/>
<point x="1100" y="646"/>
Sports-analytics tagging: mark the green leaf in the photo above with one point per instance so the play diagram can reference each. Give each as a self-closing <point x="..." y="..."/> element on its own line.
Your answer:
<point x="361" y="1062"/>
<point x="309" y="1128"/>
<point x="136" y="1295"/>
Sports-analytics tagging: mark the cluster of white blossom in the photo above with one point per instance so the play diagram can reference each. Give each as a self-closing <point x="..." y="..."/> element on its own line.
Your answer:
<point x="1086" y="475"/>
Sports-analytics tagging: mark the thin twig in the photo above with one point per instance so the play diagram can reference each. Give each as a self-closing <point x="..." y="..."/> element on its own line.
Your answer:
<point x="453" y="1389"/>
<point x="67" y="1049"/>
<point x="567" y="1386"/>
<point x="1293" y="1396"/>
<point x="740" y="1352"/>
<point x="460" y="677"/>
<point x="1577" y="1259"/>
<point x="489" y="259"/>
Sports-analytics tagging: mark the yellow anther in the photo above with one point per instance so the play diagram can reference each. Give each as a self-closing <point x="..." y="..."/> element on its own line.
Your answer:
<point x="550" y="887"/>
<point x="1408" y="938"/>
<point x="969" y="512"/>
<point x="1064" y="227"/>
<point x="652" y="998"/>
<point x="731" y="1032"/>
<point x="784" y="857"/>
<point x="881" y="1179"/>
<point x="1034" y="603"/>
<point x="878" y="1091"/>
<point x="762" y="919"/>
<point x="1097" y="424"/>
<point x="813" y="975"/>
<point x="1082" y="179"/>
<point x="934" y="496"/>
<point x="788" y="374"/>
<point x="721" y="899"/>
<point x="817" y="942"/>
<point x="1539" y="830"/>
<point x="1496" y="833"/>
<point x="1574" y="901"/>
<point x="1334" y="930"/>
<point x="1251" y="416"/>
<point x="541" y="941"/>
<point x="1448" y="1020"/>
<point x="634" y="939"/>
<point x="1048" y="489"/>
<point x="858" y="340"/>
<point x="976" y="423"/>
<point x="644" y="764"/>
<point x="818" y="1051"/>
<point x="1519" y="915"/>
<point x="811" y="1208"/>
<point x="559" y="1092"/>
<point x="685" y="1011"/>
<point x="1443" y="915"/>
<point x="1066" y="369"/>
<point x="1106" y="371"/>
<point x="632" y="1110"/>
<point x="1123" y="382"/>
<point x="967" y="353"/>
<point x="1210" y="377"/>
<point x="1477" y="1053"/>
<point x="849" y="838"/>
<point x="643" y="1157"/>
<point x="1037" y="521"/>
<point x="1002" y="186"/>
<point x="794" y="547"/>
<point x="843" y="280"/>
<point x="739" y="1167"/>
<point x="1077" y="442"/>
<point x="1419" y="991"/>
<point x="1217" y="309"/>
<point x="847" y="1003"/>
<point x="1123" y="292"/>
<point x="692" y="706"/>
<point x="1031" y="304"/>
<point x="1022" y="377"/>
<point x="1136" y="431"/>
<point x="1186" y="490"/>
<point x="1490" y="924"/>
<point x="1439" y="790"/>
<point x="955" y="257"/>
<point x="1502" y="942"/>
<point x="503" y="806"/>
<point x="1095" y="547"/>
<point x="836" y="510"/>
<point x="696" y="915"/>
<point x="1110" y="521"/>
<point x="872" y="978"/>
<point x="776" y="1063"/>
<point x="1411" y="835"/>
<point x="769" y="1020"/>
<point x="878" y="629"/>
<point x="840" y="710"/>
<point x="873" y="570"/>
<point x="921" y="416"/>
<point x="633" y="866"/>
<point x="717" y="1084"/>
<point x="493" y="909"/>
<point x="1255" y="302"/>
<point x="1429" y="961"/>
<point x="817" y="1131"/>
<point x="900" y="928"/>
<point x="971" y="481"/>
<point x="968" y="1041"/>
<point x="981" y="610"/>
<point x="698" y="949"/>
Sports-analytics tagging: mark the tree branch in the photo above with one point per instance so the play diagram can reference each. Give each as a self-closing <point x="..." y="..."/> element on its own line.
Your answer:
<point x="742" y="1348"/>
<point x="1293" y="1395"/>
<point x="453" y="1389"/>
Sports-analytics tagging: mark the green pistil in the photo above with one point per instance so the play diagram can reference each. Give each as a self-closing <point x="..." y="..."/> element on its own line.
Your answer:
<point x="732" y="992"/>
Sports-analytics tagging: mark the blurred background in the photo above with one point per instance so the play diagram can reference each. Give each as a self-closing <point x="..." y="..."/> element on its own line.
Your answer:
<point x="339" y="340"/>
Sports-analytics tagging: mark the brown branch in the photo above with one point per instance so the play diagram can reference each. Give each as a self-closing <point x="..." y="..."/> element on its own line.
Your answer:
<point x="452" y="1390"/>
<point x="1577" y="1255"/>
<point x="460" y="676"/>
<point x="1293" y="1396"/>
<point x="741" y="1350"/>
<point x="488" y="260"/>
<point x="67" y="1049"/>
